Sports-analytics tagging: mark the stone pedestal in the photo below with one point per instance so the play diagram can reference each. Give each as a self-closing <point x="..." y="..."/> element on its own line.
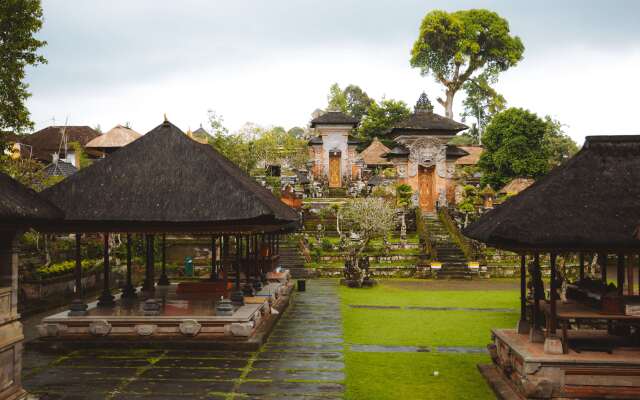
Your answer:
<point x="553" y="345"/>
<point x="78" y="308"/>
<point x="129" y="292"/>
<point x="164" y="280"/>
<point x="523" y="327"/>
<point x="536" y="336"/>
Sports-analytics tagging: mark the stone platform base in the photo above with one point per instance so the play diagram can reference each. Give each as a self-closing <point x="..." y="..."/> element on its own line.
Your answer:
<point x="533" y="373"/>
<point x="247" y="328"/>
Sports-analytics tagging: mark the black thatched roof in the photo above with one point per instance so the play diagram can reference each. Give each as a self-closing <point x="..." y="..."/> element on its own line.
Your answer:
<point x="397" y="152"/>
<point x="59" y="168"/>
<point x="353" y="140"/>
<point x="315" y="140"/>
<point x="21" y="206"/>
<point x="334" y="118"/>
<point x="592" y="202"/>
<point x="454" y="152"/>
<point x="171" y="182"/>
<point x="47" y="141"/>
<point x="425" y="122"/>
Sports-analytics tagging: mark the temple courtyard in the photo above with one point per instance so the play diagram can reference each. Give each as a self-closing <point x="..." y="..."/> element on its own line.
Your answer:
<point x="401" y="339"/>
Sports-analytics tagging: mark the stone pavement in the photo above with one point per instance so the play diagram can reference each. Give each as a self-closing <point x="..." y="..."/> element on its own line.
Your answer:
<point x="303" y="360"/>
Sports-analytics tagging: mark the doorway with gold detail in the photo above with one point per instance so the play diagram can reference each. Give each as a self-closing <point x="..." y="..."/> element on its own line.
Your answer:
<point x="335" y="175"/>
<point x="426" y="178"/>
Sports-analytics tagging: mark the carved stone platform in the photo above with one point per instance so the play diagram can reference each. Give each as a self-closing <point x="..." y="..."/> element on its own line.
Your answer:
<point x="576" y="375"/>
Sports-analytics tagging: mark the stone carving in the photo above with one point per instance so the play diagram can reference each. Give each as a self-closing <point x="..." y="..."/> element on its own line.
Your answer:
<point x="242" y="328"/>
<point x="46" y="330"/>
<point x="145" y="330"/>
<point x="100" y="328"/>
<point x="189" y="327"/>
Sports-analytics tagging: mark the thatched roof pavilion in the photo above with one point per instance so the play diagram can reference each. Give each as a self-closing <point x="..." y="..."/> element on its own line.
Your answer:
<point x="167" y="182"/>
<point x="590" y="203"/>
<point x="118" y="137"/>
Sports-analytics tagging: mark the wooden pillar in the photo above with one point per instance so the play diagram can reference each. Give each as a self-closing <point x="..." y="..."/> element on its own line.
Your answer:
<point x="620" y="274"/>
<point x="537" y="296"/>
<point x="629" y="267"/>
<point x="164" y="279"/>
<point x="553" y="296"/>
<point x="78" y="269"/>
<point x="225" y="270"/>
<point x="581" y="258"/>
<point x="602" y="260"/>
<point x="238" y="260"/>
<point x="214" y="270"/>
<point x="523" y="324"/>
<point x="129" y="292"/>
<point x="148" y="285"/>
<point x="278" y="243"/>
<point x="106" y="298"/>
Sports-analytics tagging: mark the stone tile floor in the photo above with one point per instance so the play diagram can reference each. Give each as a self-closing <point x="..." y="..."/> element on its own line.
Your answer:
<point x="303" y="360"/>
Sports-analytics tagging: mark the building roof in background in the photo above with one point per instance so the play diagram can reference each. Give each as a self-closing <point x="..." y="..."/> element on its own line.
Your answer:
<point x="47" y="141"/>
<point x="202" y="134"/>
<point x="397" y="152"/>
<point x="424" y="121"/>
<point x="334" y="118"/>
<point x="170" y="182"/>
<point x="118" y="136"/>
<point x="60" y="168"/>
<point x="589" y="203"/>
<point x="20" y="205"/>
<point x="455" y="152"/>
<point x="316" y="140"/>
<point x="473" y="157"/>
<point x="516" y="186"/>
<point x="353" y="141"/>
<point x="374" y="153"/>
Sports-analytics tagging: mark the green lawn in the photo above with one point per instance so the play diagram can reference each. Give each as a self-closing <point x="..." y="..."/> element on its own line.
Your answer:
<point x="392" y="375"/>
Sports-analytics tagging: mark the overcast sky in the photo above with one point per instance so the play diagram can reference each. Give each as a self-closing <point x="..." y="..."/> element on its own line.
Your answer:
<point x="272" y="62"/>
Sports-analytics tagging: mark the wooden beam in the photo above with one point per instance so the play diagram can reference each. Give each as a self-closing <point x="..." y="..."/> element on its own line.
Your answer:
<point x="78" y="270"/>
<point x="553" y="296"/>
<point x="620" y="275"/>
<point x="523" y="287"/>
<point x="581" y="258"/>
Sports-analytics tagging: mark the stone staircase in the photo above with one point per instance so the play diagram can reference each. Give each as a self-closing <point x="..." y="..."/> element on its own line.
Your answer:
<point x="454" y="262"/>
<point x="291" y="259"/>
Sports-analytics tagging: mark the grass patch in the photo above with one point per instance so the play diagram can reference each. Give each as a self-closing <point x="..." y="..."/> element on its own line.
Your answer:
<point x="382" y="376"/>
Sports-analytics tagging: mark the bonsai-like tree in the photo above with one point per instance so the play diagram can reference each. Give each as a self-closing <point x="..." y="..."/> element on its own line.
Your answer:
<point x="367" y="218"/>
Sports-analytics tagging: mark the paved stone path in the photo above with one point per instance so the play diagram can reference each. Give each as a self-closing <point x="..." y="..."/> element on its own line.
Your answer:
<point x="303" y="359"/>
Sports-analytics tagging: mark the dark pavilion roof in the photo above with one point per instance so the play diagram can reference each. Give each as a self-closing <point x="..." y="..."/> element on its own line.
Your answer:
<point x="424" y="121"/>
<point x="397" y="152"/>
<point x="316" y="140"/>
<point x="21" y="205"/>
<point x="589" y="203"/>
<point x="334" y="118"/>
<point x="47" y="141"/>
<point x="172" y="183"/>
<point x="59" y="168"/>
<point x="201" y="133"/>
<point x="455" y="152"/>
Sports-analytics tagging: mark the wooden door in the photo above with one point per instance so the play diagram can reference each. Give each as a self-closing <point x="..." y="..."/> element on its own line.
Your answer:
<point x="334" y="171"/>
<point x="427" y="189"/>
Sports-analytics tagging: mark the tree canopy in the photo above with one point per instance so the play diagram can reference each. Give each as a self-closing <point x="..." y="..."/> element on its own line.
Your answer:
<point x="381" y="117"/>
<point x="352" y="100"/>
<point x="558" y="145"/>
<point x="482" y="103"/>
<point x="514" y="147"/>
<point x="19" y="21"/>
<point x="454" y="46"/>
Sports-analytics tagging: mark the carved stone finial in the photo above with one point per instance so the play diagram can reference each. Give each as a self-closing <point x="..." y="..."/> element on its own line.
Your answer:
<point x="423" y="104"/>
<point x="165" y="118"/>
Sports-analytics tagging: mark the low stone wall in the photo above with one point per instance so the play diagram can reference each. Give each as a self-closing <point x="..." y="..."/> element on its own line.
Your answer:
<point x="63" y="285"/>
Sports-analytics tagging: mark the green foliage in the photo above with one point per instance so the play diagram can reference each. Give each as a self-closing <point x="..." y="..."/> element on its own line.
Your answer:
<point x="469" y="138"/>
<point x="482" y="103"/>
<point x="19" y="21"/>
<point x="326" y="245"/>
<point x="352" y="100"/>
<point x="514" y="147"/>
<point x="381" y="117"/>
<point x="453" y="46"/>
<point x="84" y="158"/>
<point x="403" y="195"/>
<point x="64" y="268"/>
<point x="558" y="145"/>
<point x="253" y="145"/>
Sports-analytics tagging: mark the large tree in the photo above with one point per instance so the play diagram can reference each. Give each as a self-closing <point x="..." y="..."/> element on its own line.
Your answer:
<point x="482" y="103"/>
<point x="559" y="146"/>
<point x="455" y="47"/>
<point x="352" y="100"/>
<point x="514" y="147"/>
<point x="19" y="21"/>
